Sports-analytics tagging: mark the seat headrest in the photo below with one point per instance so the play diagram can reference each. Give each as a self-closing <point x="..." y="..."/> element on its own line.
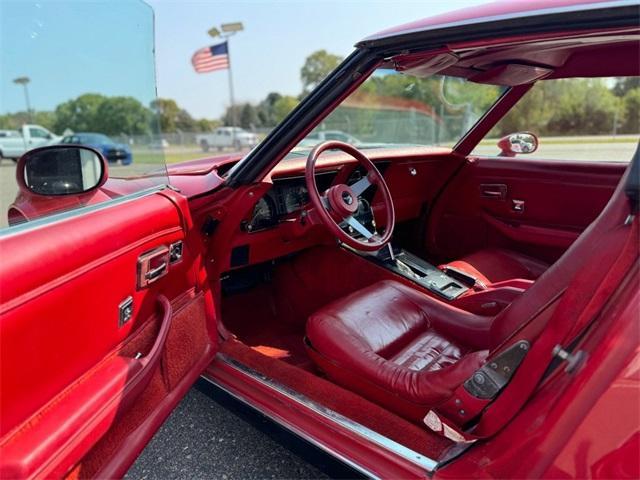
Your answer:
<point x="632" y="186"/>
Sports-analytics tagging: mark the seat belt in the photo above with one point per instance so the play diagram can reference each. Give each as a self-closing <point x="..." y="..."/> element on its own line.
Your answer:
<point x="451" y="419"/>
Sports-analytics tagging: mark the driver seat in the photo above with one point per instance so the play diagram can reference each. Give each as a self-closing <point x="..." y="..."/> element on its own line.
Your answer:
<point x="408" y="351"/>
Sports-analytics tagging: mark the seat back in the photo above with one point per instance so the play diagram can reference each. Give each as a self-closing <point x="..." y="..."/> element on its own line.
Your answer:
<point x="599" y="244"/>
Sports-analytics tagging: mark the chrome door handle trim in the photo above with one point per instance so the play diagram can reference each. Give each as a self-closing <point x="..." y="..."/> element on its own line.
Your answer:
<point x="156" y="272"/>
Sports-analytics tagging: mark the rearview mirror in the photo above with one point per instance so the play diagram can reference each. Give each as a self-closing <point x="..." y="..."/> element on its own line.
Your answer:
<point x="61" y="170"/>
<point x="520" y="142"/>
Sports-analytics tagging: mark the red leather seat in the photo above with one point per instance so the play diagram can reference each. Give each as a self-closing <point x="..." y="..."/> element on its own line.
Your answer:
<point x="494" y="265"/>
<point x="396" y="340"/>
<point x="409" y="352"/>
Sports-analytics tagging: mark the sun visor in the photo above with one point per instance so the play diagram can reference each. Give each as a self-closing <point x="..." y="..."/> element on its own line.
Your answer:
<point x="424" y="65"/>
<point x="511" y="74"/>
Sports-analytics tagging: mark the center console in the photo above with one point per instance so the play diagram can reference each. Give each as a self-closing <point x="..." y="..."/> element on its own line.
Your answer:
<point x="419" y="271"/>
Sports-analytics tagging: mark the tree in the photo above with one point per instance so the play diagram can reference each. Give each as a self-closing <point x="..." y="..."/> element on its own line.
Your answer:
<point x="231" y="115"/>
<point x="265" y="110"/>
<point x="206" y="125"/>
<point x="167" y="111"/>
<point x="93" y="112"/>
<point x="283" y="106"/>
<point x="625" y="84"/>
<point x="79" y="114"/>
<point x="13" y="121"/>
<point x="185" y="122"/>
<point x="123" y="115"/>
<point x="581" y="107"/>
<point x="631" y="104"/>
<point x="316" y="67"/>
<point x="248" y="116"/>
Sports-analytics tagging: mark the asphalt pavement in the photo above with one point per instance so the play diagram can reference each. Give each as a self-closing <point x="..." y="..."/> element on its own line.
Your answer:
<point x="203" y="439"/>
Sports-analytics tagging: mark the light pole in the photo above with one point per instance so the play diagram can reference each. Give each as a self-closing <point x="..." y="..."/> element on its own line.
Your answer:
<point x="24" y="81"/>
<point x="229" y="29"/>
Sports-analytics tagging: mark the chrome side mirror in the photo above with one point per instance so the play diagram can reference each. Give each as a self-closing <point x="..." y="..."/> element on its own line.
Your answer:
<point x="61" y="170"/>
<point x="520" y="142"/>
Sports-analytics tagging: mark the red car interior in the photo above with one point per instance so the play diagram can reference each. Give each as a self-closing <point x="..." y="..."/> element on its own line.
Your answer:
<point x="105" y="376"/>
<point x="411" y="351"/>
<point x="142" y="295"/>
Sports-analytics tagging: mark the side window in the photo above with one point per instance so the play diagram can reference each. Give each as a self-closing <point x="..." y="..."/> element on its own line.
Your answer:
<point x="38" y="133"/>
<point x="117" y="115"/>
<point x="576" y="119"/>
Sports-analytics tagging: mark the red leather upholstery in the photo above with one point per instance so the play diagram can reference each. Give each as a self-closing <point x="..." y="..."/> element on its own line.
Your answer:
<point x="494" y="265"/>
<point x="400" y="339"/>
<point x="406" y="351"/>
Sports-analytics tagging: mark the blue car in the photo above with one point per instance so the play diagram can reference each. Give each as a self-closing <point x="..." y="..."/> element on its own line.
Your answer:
<point x="112" y="151"/>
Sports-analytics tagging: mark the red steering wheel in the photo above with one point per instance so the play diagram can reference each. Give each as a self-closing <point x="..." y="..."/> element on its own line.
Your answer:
<point x="337" y="205"/>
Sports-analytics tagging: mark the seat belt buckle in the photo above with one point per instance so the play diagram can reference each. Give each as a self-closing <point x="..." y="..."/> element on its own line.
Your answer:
<point x="574" y="360"/>
<point x="441" y="426"/>
<point x="463" y="277"/>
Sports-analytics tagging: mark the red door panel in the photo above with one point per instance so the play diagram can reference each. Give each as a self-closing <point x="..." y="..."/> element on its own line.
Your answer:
<point x="70" y="365"/>
<point x="535" y="207"/>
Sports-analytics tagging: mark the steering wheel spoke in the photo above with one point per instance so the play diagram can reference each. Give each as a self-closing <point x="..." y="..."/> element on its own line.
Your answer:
<point x="358" y="227"/>
<point x="361" y="185"/>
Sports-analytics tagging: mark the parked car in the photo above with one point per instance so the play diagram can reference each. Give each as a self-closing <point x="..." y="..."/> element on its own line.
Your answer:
<point x="227" y="137"/>
<point x="159" y="144"/>
<point x="14" y="143"/>
<point x="112" y="151"/>
<point x="416" y="312"/>
<point x="323" y="135"/>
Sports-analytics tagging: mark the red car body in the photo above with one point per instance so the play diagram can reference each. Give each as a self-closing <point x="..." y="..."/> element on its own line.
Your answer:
<point x="583" y="424"/>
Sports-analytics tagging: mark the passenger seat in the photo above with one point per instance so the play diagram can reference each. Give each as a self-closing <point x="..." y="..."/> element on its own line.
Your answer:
<point x="494" y="265"/>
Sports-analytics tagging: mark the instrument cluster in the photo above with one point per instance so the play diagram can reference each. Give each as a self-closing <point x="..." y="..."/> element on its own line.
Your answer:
<point x="288" y="195"/>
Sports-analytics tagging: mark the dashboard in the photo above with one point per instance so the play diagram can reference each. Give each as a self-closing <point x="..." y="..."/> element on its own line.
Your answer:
<point x="289" y="195"/>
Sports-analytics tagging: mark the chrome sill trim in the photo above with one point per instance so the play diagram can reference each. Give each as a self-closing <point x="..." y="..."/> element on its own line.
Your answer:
<point x="426" y="463"/>
<point x="62" y="216"/>
<point x="292" y="428"/>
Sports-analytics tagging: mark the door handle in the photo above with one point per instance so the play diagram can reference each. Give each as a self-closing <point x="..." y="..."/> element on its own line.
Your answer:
<point x="152" y="266"/>
<point x="497" y="191"/>
<point x="156" y="272"/>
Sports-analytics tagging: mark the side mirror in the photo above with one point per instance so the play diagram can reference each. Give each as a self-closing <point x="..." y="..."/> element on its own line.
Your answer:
<point x="520" y="142"/>
<point x="61" y="170"/>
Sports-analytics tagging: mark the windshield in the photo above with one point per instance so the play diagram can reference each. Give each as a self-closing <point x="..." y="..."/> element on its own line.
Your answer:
<point x="94" y="138"/>
<point x="392" y="110"/>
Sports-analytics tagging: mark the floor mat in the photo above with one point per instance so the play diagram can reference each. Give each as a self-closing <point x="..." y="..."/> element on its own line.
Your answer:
<point x="265" y="327"/>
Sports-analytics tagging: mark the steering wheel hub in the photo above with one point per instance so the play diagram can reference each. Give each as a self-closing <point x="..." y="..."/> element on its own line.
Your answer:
<point x="342" y="201"/>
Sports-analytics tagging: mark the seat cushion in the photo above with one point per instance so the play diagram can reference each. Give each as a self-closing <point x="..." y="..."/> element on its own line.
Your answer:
<point x="396" y="346"/>
<point x="495" y="265"/>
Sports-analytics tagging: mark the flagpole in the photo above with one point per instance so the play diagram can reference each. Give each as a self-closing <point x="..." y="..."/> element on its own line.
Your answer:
<point x="234" y="118"/>
<point x="229" y="29"/>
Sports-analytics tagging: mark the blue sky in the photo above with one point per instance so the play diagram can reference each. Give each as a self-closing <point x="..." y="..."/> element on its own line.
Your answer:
<point x="70" y="47"/>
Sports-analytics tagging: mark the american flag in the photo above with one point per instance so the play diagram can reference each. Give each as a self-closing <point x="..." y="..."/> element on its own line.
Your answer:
<point x="210" y="59"/>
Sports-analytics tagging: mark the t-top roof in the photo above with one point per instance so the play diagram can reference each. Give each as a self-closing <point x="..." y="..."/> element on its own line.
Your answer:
<point x="492" y="12"/>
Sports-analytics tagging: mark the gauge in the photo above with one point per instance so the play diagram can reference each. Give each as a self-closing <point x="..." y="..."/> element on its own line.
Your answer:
<point x="263" y="215"/>
<point x="295" y="198"/>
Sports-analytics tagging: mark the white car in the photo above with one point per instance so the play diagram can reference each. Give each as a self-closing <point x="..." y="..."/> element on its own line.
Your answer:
<point x="227" y="137"/>
<point x="13" y="143"/>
